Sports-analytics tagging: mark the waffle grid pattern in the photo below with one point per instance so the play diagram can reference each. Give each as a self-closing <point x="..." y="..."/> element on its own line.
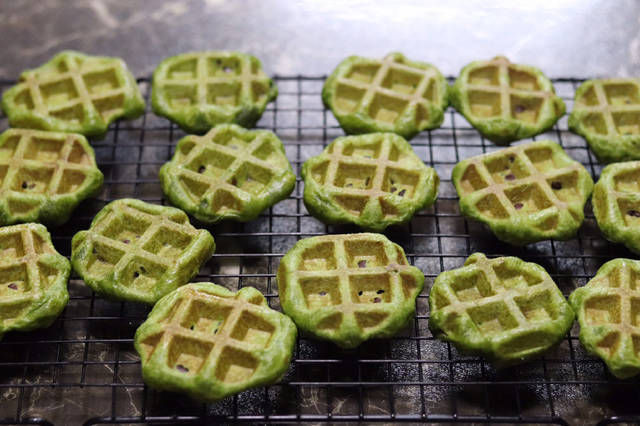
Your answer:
<point x="227" y="170"/>
<point x="610" y="309"/>
<point x="42" y="164"/>
<point x="387" y="91"/>
<point x="377" y="176"/>
<point x="75" y="90"/>
<point x="137" y="247"/>
<point x="221" y="340"/>
<point x="87" y="355"/>
<point x="23" y="276"/>
<point x="534" y="182"/>
<point x="225" y="83"/>
<point x="613" y="107"/>
<point x="348" y="283"/>
<point x="509" y="304"/>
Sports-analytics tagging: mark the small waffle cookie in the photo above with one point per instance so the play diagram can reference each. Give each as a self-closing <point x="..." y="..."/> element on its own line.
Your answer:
<point x="44" y="175"/>
<point x="525" y="193"/>
<point x="229" y="173"/>
<point x="616" y="204"/>
<point x="607" y="114"/>
<point x="608" y="308"/>
<point x="505" y="309"/>
<point x="33" y="278"/>
<point x="348" y="288"/>
<point x="138" y="251"/>
<point x="75" y="93"/>
<point x="210" y="343"/>
<point x="200" y="90"/>
<point x="393" y="94"/>
<point x="373" y="181"/>
<point x="504" y="101"/>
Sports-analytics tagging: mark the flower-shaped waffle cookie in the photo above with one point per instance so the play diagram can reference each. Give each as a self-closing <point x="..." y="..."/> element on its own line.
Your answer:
<point x="393" y="94"/>
<point x="505" y="101"/>
<point x="616" y="203"/>
<point x="33" y="278"/>
<point x="505" y="308"/>
<point x="608" y="310"/>
<point x="525" y="193"/>
<point x="210" y="343"/>
<point x="139" y="251"/>
<point x="607" y="114"/>
<point x="348" y="288"/>
<point x="74" y="92"/>
<point x="373" y="181"/>
<point x="200" y="90"/>
<point x="229" y="173"/>
<point x="44" y="175"/>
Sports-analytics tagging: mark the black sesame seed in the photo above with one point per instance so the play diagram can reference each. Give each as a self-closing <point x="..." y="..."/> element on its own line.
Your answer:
<point x="393" y="189"/>
<point x="136" y="274"/>
<point x="362" y="264"/>
<point x="323" y="293"/>
<point x="518" y="206"/>
<point x="360" y="293"/>
<point x="24" y="185"/>
<point x="510" y="176"/>
<point x="349" y="185"/>
<point x="556" y="185"/>
<point x="377" y="300"/>
<point x="634" y="213"/>
<point x="126" y="241"/>
<point x="201" y="169"/>
<point x="367" y="180"/>
<point x="142" y="269"/>
<point x="401" y="193"/>
<point x="512" y="159"/>
<point x="380" y="291"/>
<point x="13" y="286"/>
<point x="191" y="327"/>
<point x="181" y="368"/>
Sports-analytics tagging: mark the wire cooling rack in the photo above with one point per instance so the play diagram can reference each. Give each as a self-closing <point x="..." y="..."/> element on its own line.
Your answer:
<point x="84" y="370"/>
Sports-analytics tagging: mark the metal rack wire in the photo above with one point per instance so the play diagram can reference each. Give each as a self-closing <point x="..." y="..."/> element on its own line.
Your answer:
<point x="83" y="369"/>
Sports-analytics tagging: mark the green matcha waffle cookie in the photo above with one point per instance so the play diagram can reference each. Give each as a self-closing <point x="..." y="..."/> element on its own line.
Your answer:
<point x="607" y="114"/>
<point x="392" y="94"/>
<point x="33" y="278"/>
<point x="505" y="309"/>
<point x="373" y="181"/>
<point x="200" y="90"/>
<point x="75" y="93"/>
<point x="229" y="173"/>
<point x="608" y="309"/>
<point x="210" y="343"/>
<point x="504" y="101"/>
<point x="348" y="288"/>
<point x="526" y="193"/>
<point x="616" y="204"/>
<point x="44" y="175"/>
<point x="138" y="251"/>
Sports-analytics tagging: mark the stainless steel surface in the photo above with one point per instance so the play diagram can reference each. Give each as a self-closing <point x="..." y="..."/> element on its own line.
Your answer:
<point x="411" y="375"/>
<point x="563" y="37"/>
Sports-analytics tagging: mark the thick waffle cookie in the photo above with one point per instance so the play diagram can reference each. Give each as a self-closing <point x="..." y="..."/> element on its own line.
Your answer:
<point x="504" y="101"/>
<point x="505" y="308"/>
<point x="210" y="343"/>
<point x="203" y="89"/>
<point x="75" y="93"/>
<point x="616" y="203"/>
<point x="44" y="175"/>
<point x="608" y="309"/>
<point x="229" y="173"/>
<point x="525" y="193"/>
<point x="348" y="288"/>
<point x="33" y="278"/>
<point x="139" y="251"/>
<point x="373" y="181"/>
<point x="393" y="94"/>
<point x="607" y="114"/>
